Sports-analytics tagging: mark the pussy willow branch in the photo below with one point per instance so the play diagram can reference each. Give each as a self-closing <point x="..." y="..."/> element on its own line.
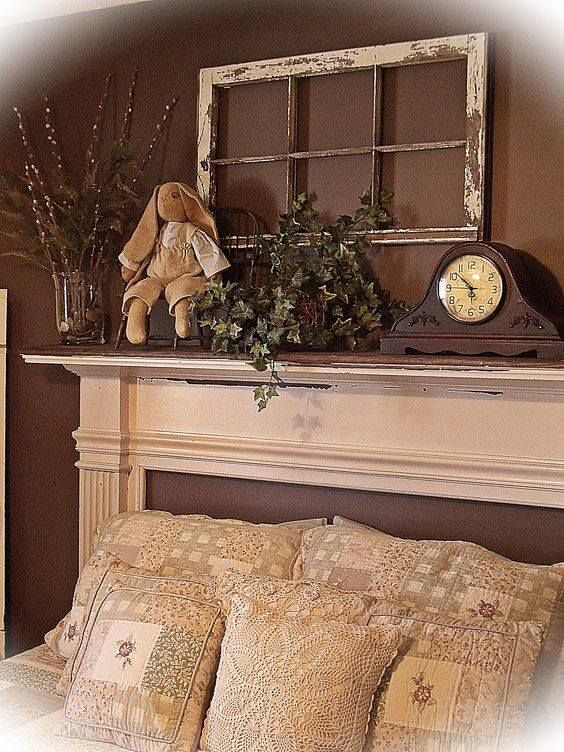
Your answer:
<point x="33" y="166"/>
<point x="126" y="127"/>
<point x="38" y="219"/>
<point x="52" y="137"/>
<point x="91" y="153"/>
<point x="159" y="132"/>
<point x="93" y="262"/>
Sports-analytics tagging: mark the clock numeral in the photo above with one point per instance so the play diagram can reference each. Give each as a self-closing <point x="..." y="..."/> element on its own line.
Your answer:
<point x="481" y="309"/>
<point x="451" y="299"/>
<point x="471" y="265"/>
<point x="460" y="267"/>
<point x="470" y="312"/>
<point x="491" y="277"/>
<point x="494" y="288"/>
<point x="460" y="308"/>
<point x="453" y="276"/>
<point x="490" y="301"/>
<point x="448" y="288"/>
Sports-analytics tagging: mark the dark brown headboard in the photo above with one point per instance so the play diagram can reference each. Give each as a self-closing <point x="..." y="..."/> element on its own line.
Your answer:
<point x="523" y="533"/>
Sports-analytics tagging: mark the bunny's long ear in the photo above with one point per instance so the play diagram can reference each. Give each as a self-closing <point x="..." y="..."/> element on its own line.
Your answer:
<point x="196" y="212"/>
<point x="146" y="233"/>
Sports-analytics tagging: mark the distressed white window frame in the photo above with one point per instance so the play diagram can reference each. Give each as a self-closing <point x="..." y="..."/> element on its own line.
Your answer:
<point x="473" y="47"/>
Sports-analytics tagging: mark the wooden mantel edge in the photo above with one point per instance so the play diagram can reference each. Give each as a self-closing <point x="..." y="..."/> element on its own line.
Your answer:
<point x="385" y="371"/>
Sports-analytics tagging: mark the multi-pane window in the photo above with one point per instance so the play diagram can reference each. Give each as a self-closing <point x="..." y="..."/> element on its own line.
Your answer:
<point x="407" y="117"/>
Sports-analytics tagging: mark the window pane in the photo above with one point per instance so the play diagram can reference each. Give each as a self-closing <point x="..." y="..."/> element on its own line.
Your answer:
<point x="335" y="111"/>
<point x="424" y="103"/>
<point x="252" y="119"/>
<point x="405" y="271"/>
<point x="428" y="187"/>
<point x="259" y="188"/>
<point x="335" y="183"/>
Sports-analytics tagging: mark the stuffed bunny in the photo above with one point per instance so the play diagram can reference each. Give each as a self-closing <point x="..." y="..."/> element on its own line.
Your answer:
<point x="173" y="249"/>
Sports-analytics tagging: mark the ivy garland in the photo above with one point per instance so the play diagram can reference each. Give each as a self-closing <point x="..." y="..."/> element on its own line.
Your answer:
<point x="319" y="295"/>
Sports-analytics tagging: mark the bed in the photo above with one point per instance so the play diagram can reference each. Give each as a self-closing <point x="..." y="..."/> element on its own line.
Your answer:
<point x="31" y="705"/>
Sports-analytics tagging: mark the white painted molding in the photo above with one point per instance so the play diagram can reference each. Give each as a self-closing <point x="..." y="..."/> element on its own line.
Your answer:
<point x="36" y="10"/>
<point x="99" y="498"/>
<point x="486" y="433"/>
<point x="209" y="370"/>
<point x="350" y="466"/>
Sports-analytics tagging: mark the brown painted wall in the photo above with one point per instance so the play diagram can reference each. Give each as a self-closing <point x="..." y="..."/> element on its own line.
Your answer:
<point x="522" y="533"/>
<point x="68" y="59"/>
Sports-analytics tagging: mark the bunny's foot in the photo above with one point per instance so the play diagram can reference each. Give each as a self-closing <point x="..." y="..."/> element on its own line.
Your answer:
<point x="136" y="329"/>
<point x="182" y="311"/>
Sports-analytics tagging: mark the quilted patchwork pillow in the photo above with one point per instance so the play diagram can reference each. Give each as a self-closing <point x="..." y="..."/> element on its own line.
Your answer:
<point x="176" y="545"/>
<point x="287" y="684"/>
<point x="312" y="601"/>
<point x="454" y="687"/>
<point x="202" y="545"/>
<point x="143" y="672"/>
<point x="455" y="577"/>
<point x="109" y="578"/>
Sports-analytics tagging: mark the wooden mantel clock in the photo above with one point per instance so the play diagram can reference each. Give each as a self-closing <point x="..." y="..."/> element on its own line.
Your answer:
<point x="481" y="301"/>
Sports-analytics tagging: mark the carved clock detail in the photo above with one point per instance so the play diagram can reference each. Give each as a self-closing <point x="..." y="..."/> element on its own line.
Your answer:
<point x="480" y="301"/>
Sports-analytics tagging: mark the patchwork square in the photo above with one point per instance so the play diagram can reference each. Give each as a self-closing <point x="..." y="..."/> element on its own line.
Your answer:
<point x="125" y="648"/>
<point x="419" y="695"/>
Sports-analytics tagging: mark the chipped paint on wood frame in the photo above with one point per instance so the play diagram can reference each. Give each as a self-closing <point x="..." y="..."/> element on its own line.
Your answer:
<point x="473" y="47"/>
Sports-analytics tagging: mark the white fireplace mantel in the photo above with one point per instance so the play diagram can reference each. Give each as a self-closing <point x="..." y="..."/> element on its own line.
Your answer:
<point x="480" y="378"/>
<point x="483" y="432"/>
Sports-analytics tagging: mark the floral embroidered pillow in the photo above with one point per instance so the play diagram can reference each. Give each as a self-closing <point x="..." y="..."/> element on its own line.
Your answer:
<point x="454" y="686"/>
<point x="144" y="669"/>
<point x="300" y="599"/>
<point x="287" y="684"/>
<point x="177" y="545"/>
<point x="110" y="578"/>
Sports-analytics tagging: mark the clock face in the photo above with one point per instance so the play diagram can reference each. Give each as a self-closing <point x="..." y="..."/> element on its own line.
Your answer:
<point x="470" y="288"/>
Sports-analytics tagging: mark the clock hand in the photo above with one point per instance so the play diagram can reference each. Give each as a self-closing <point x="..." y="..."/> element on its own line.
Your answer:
<point x="468" y="285"/>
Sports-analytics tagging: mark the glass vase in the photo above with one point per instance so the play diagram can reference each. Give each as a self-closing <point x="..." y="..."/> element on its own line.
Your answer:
<point x="78" y="308"/>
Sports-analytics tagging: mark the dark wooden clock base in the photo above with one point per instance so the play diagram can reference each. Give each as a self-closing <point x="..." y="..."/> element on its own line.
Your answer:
<point x="511" y="348"/>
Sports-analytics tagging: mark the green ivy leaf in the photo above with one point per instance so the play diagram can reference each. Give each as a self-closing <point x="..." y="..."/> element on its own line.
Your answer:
<point x="234" y="330"/>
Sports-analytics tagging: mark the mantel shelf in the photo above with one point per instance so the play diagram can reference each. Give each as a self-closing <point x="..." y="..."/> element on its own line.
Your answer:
<point x="321" y="369"/>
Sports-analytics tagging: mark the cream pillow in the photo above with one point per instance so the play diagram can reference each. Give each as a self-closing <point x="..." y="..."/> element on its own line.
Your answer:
<point x="313" y="601"/>
<point x="144" y="669"/>
<point x="454" y="686"/>
<point x="176" y="545"/>
<point x="286" y="684"/>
